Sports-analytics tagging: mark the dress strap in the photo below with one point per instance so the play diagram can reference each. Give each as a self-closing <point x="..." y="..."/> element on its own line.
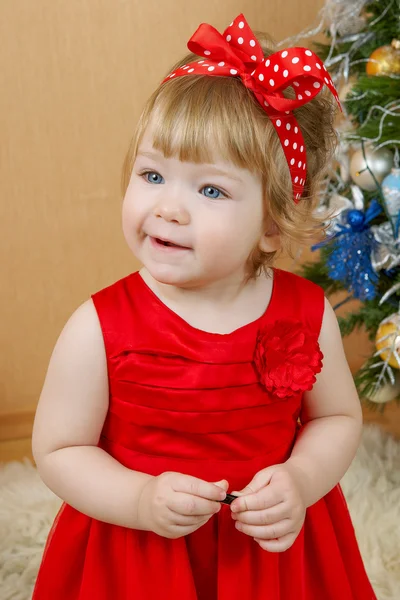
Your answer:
<point x="301" y="299"/>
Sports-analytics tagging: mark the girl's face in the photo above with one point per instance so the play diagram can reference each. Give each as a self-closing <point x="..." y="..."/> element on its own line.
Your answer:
<point x="192" y="224"/>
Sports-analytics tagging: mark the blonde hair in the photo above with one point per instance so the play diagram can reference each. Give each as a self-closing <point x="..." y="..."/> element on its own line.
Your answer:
<point x="195" y="116"/>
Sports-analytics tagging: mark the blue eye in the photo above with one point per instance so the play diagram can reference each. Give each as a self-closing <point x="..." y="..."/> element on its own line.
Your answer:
<point x="153" y="177"/>
<point x="214" y="192"/>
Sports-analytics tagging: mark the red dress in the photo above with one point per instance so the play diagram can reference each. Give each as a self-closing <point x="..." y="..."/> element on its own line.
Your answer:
<point x="185" y="400"/>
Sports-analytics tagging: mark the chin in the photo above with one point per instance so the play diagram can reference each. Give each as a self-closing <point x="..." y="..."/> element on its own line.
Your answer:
<point x="168" y="275"/>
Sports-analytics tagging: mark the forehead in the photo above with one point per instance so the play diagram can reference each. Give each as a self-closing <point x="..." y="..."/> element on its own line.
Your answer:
<point x="204" y="120"/>
<point x="213" y="160"/>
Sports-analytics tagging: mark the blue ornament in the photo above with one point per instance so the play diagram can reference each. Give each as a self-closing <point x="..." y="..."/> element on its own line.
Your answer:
<point x="356" y="219"/>
<point x="350" y="263"/>
<point x="350" y="259"/>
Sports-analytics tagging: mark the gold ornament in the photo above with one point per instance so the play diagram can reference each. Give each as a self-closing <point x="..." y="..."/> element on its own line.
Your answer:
<point x="385" y="60"/>
<point x="387" y="340"/>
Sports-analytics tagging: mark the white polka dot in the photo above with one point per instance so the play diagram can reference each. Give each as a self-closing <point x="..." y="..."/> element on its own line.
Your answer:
<point x="261" y="77"/>
<point x="307" y="68"/>
<point x="252" y="43"/>
<point x="295" y="60"/>
<point x="318" y="66"/>
<point x="267" y="63"/>
<point x="205" y="65"/>
<point x="184" y="67"/>
<point x="231" y="24"/>
<point x="299" y="97"/>
<point x="326" y="80"/>
<point x="233" y="71"/>
<point x="228" y="38"/>
<point x="240" y="40"/>
<point x="296" y="129"/>
<point x="288" y="126"/>
<point x="299" y="164"/>
<point x="304" y="166"/>
<point x="307" y="93"/>
<point x="201" y="61"/>
<point x="317" y="84"/>
<point x="285" y="73"/>
<point x="221" y="64"/>
<point x="284" y="54"/>
<point x="287" y="112"/>
<point x="254" y="57"/>
<point x="308" y="53"/>
<point x="241" y="25"/>
<point x="279" y="122"/>
<point x="296" y="179"/>
<point x="292" y="161"/>
<point x="294" y="145"/>
<point x="276" y="68"/>
<point x="296" y="83"/>
<point x="301" y="148"/>
<point x="286" y="142"/>
<point x="324" y="67"/>
<point x="172" y="75"/>
<point x="266" y="103"/>
<point x="190" y="70"/>
<point x="210" y="68"/>
<point x="207" y="52"/>
<point x="252" y="73"/>
<point x="271" y="82"/>
<point x="301" y="181"/>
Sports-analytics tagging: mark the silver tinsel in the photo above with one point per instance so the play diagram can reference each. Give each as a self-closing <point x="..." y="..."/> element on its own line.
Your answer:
<point x="387" y="252"/>
<point x="344" y="16"/>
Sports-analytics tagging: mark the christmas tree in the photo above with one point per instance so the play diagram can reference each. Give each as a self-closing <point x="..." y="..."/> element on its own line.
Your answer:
<point x="361" y="254"/>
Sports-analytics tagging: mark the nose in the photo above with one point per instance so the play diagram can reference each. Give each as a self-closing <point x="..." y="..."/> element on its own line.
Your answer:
<point x="171" y="210"/>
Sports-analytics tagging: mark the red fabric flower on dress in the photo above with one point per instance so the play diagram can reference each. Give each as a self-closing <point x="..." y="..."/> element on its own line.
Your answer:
<point x="287" y="357"/>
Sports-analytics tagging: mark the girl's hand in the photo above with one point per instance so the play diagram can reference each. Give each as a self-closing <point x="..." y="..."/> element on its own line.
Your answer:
<point x="271" y="508"/>
<point x="173" y="505"/>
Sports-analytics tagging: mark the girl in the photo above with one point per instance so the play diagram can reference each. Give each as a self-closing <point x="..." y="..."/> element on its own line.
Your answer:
<point x="202" y="372"/>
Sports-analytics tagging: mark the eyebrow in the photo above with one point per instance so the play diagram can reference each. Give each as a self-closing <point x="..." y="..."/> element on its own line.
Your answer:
<point x="212" y="168"/>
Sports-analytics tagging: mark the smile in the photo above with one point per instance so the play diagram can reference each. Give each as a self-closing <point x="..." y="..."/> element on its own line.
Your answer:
<point x="166" y="245"/>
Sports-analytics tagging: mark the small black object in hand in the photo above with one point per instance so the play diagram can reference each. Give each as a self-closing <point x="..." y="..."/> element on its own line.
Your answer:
<point x="229" y="499"/>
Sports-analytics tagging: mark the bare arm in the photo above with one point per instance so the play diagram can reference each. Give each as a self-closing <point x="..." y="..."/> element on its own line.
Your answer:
<point x="332" y="416"/>
<point x="68" y="422"/>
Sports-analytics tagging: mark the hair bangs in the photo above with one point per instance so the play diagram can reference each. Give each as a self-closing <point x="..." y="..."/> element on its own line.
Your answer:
<point x="201" y="118"/>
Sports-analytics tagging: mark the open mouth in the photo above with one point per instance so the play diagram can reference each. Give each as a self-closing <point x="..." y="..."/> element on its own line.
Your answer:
<point x="167" y="244"/>
<point x="163" y="243"/>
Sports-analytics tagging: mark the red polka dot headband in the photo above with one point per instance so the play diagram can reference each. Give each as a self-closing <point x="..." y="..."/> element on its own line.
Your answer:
<point x="237" y="53"/>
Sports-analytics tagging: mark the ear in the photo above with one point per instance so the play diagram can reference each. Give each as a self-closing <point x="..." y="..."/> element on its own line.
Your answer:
<point x="270" y="241"/>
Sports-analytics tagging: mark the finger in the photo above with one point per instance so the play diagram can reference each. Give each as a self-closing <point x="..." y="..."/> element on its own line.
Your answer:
<point x="223" y="484"/>
<point x="198" y="487"/>
<point x="279" y="545"/>
<point x="259" y="481"/>
<point x="187" y="520"/>
<point x="266" y="532"/>
<point x="263" y="517"/>
<point x="186" y="504"/>
<point x="182" y="530"/>
<point x="265" y="498"/>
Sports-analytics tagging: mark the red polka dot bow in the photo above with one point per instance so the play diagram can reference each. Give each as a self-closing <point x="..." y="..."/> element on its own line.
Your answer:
<point x="237" y="53"/>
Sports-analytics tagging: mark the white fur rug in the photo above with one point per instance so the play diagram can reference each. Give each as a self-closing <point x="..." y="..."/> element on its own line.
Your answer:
<point x="372" y="488"/>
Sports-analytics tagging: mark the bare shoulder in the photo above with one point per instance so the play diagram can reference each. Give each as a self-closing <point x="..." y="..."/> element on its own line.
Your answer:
<point x="74" y="399"/>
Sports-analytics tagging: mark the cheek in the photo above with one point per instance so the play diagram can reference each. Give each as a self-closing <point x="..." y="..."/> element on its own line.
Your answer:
<point x="132" y="210"/>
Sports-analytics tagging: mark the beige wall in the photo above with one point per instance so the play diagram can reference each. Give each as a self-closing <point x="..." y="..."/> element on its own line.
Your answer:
<point x="74" y="77"/>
